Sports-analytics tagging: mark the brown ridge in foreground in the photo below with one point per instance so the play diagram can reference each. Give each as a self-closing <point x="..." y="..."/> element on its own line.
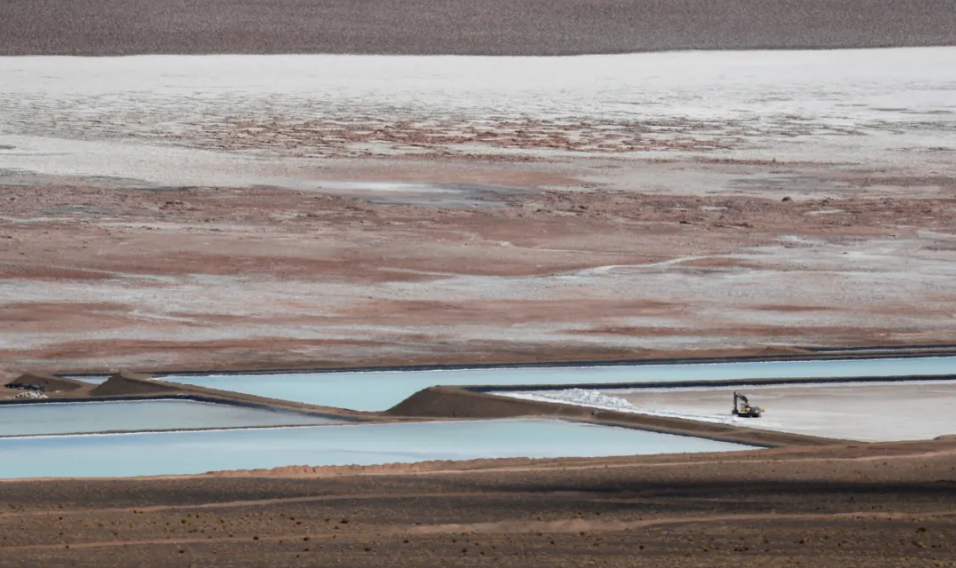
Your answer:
<point x="873" y="505"/>
<point x="489" y="27"/>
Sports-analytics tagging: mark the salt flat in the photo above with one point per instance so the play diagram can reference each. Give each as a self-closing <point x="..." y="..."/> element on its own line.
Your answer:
<point x="868" y="412"/>
<point x="272" y="119"/>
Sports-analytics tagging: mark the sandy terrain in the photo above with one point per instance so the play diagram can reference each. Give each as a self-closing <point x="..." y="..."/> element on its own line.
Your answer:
<point x="874" y="506"/>
<point x="221" y="212"/>
<point x="323" y="210"/>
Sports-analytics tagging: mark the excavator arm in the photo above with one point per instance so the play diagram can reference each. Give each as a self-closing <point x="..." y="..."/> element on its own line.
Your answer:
<point x="743" y="408"/>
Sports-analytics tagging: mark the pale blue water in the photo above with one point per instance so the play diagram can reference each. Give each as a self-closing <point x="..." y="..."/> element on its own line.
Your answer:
<point x="126" y="455"/>
<point x="62" y="418"/>
<point x="382" y="390"/>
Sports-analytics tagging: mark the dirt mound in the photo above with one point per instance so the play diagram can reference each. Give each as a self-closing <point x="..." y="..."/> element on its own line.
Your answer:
<point x="452" y="402"/>
<point x="122" y="384"/>
<point x="49" y="382"/>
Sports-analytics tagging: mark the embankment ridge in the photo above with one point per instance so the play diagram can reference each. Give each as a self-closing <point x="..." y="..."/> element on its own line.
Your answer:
<point x="50" y="382"/>
<point x="459" y="402"/>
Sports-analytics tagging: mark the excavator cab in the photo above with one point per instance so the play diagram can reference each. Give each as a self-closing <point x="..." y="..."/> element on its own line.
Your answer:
<point x="743" y="408"/>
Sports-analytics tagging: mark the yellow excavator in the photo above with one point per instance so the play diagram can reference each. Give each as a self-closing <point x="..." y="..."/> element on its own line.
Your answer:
<point x="743" y="408"/>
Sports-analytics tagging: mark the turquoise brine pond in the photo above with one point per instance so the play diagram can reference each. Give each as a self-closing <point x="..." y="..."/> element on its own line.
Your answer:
<point x="125" y="455"/>
<point x="374" y="391"/>
<point x="79" y="417"/>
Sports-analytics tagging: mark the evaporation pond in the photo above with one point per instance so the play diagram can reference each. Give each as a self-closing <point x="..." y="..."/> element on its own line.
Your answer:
<point x="381" y="390"/>
<point x="167" y="453"/>
<point x="78" y="417"/>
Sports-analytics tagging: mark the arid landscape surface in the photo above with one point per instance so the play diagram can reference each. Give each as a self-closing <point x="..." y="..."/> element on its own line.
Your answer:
<point x="870" y="505"/>
<point x="208" y="277"/>
<point x="333" y="190"/>
<point x="231" y="212"/>
<point x="489" y="27"/>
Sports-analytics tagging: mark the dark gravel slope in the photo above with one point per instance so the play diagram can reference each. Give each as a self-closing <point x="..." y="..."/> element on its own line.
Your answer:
<point x="872" y="506"/>
<point x="496" y="27"/>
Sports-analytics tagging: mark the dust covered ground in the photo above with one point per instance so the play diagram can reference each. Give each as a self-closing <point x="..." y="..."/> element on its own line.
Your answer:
<point x="873" y="506"/>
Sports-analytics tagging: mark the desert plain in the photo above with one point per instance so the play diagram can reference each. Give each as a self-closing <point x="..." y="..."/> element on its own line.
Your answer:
<point x="225" y="211"/>
<point x="216" y="186"/>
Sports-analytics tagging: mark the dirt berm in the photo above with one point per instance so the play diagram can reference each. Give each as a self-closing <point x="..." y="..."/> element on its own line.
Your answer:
<point x="126" y="384"/>
<point x="455" y="402"/>
<point x="49" y="382"/>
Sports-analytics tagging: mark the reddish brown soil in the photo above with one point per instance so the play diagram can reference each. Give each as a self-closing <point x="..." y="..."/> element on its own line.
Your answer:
<point x="227" y="278"/>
